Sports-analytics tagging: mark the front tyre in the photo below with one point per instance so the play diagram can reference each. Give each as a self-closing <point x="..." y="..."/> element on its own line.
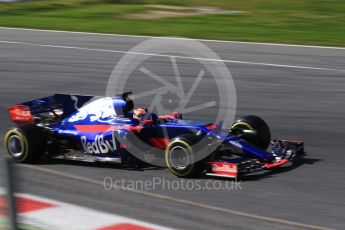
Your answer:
<point x="262" y="137"/>
<point x="25" y="143"/>
<point x="179" y="158"/>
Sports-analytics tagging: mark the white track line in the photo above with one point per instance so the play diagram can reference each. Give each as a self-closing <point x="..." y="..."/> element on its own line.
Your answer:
<point x="67" y="216"/>
<point x="61" y="215"/>
<point x="2" y="191"/>
<point x="175" y="38"/>
<point x="176" y="56"/>
<point x="179" y="201"/>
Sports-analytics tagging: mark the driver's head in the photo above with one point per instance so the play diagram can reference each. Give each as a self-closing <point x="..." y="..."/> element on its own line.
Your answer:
<point x="139" y="114"/>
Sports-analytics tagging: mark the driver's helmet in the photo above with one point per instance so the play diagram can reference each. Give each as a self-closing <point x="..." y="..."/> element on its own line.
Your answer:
<point x="139" y="113"/>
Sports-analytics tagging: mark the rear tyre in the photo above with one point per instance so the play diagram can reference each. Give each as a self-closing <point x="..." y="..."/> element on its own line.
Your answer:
<point x="179" y="158"/>
<point x="262" y="138"/>
<point x="25" y="143"/>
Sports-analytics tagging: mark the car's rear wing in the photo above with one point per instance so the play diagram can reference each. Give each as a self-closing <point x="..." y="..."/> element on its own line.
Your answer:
<point x="56" y="106"/>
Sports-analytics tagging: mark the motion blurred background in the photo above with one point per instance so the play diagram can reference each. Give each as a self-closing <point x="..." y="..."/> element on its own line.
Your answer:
<point x="298" y="90"/>
<point x="318" y="22"/>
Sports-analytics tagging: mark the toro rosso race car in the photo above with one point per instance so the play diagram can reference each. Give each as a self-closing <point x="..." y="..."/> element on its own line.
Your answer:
<point x="109" y="129"/>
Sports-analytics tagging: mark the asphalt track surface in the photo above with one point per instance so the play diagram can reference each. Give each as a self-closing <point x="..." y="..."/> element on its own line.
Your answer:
<point x="299" y="91"/>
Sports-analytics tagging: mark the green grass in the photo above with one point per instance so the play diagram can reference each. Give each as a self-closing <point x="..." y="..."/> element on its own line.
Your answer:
<point x="317" y="22"/>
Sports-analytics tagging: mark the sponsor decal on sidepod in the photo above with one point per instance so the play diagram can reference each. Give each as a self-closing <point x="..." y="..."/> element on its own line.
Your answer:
<point x="98" y="146"/>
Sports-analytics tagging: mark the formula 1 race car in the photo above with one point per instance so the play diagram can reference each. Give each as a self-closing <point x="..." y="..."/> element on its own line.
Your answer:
<point x="108" y="129"/>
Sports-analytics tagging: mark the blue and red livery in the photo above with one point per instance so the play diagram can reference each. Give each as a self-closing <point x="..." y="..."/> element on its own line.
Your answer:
<point x="88" y="128"/>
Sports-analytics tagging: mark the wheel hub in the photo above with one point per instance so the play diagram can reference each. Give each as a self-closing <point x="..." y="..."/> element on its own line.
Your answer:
<point x="179" y="158"/>
<point x="15" y="145"/>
